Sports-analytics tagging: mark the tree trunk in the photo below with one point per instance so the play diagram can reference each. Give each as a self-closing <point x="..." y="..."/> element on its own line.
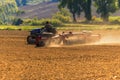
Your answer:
<point x="74" y="17"/>
<point x="105" y="17"/>
<point x="88" y="14"/>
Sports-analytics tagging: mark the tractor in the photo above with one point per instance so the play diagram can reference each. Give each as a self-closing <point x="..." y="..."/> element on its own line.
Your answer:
<point x="41" y="37"/>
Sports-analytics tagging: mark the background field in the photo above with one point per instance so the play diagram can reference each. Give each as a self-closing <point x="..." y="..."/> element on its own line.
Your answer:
<point x="69" y="26"/>
<point x="19" y="61"/>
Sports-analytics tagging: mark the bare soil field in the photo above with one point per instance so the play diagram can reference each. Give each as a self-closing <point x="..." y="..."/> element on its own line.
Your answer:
<point x="97" y="61"/>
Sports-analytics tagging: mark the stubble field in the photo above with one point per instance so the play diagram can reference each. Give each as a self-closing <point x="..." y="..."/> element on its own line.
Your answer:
<point x="97" y="61"/>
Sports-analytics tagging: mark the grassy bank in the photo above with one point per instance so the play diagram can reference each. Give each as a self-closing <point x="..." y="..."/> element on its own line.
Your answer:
<point x="66" y="27"/>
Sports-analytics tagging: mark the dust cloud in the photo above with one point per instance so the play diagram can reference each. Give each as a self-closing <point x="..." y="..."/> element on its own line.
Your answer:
<point x="109" y="40"/>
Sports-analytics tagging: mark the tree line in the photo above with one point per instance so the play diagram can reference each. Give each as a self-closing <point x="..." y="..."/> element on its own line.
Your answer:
<point x="7" y="11"/>
<point x="25" y="2"/>
<point x="104" y="8"/>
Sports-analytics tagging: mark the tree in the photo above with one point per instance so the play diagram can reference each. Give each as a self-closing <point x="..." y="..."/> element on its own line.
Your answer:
<point x="54" y="0"/>
<point x="18" y="2"/>
<point x="86" y="7"/>
<point x="21" y="2"/>
<point x="105" y="7"/>
<point x="24" y="2"/>
<point x="63" y="15"/>
<point x="73" y="7"/>
<point x="20" y="12"/>
<point x="17" y="21"/>
<point x="77" y="6"/>
<point x="7" y="11"/>
<point x="118" y="3"/>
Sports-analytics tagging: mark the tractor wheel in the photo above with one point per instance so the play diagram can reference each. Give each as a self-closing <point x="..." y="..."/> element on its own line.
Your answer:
<point x="30" y="40"/>
<point x="40" y="44"/>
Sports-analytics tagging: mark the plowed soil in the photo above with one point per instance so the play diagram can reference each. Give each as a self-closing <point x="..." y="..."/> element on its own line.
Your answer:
<point x="96" y="61"/>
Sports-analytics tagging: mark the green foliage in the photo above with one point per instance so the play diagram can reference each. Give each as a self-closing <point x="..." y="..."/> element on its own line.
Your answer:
<point x="1" y="22"/>
<point x="54" y="22"/>
<point x="21" y="2"/>
<point x="114" y="20"/>
<point x="63" y="15"/>
<point x="65" y="27"/>
<point x="118" y="3"/>
<point x="20" y="12"/>
<point x="7" y="10"/>
<point x="34" y="22"/>
<point x="17" y="21"/>
<point x="31" y="2"/>
<point x="77" y="6"/>
<point x="64" y="12"/>
<point x="73" y="6"/>
<point x="105" y="7"/>
<point x="86" y="7"/>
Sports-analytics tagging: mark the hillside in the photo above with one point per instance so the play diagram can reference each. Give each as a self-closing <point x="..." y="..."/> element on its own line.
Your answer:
<point x="7" y="9"/>
<point x="41" y="10"/>
<point x="47" y="9"/>
<point x="31" y="2"/>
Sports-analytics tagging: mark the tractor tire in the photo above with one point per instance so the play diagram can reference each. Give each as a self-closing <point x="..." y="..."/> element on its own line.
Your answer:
<point x="40" y="44"/>
<point x="30" y="40"/>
